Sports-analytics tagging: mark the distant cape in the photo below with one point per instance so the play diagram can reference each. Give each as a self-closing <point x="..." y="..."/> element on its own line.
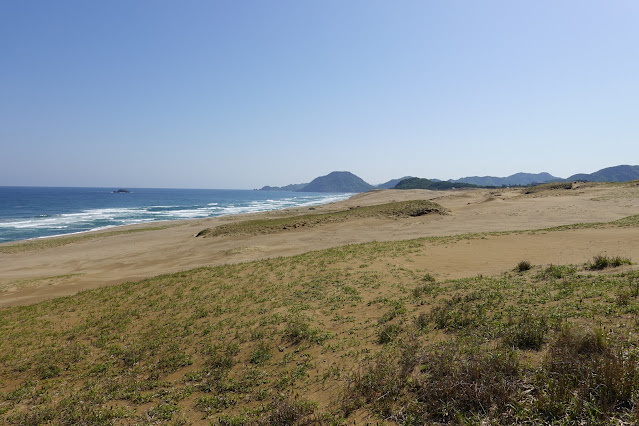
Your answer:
<point x="337" y="182"/>
<point x="291" y="187"/>
<point x="348" y="182"/>
<point x="333" y="182"/>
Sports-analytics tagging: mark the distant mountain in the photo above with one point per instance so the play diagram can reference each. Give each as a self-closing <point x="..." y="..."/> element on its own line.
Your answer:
<point x="391" y="183"/>
<point x="292" y="187"/>
<point x="337" y="182"/>
<point x="610" y="174"/>
<point x="516" y="179"/>
<point x="348" y="182"/>
<point x="419" y="183"/>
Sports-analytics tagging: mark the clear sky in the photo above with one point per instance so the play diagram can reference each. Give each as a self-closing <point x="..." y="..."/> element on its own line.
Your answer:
<point x="241" y="94"/>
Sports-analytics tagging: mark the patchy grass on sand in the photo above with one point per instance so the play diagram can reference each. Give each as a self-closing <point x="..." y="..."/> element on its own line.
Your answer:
<point x="266" y="226"/>
<point x="343" y="335"/>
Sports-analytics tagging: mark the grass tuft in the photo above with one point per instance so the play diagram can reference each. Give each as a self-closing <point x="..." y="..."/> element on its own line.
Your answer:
<point x="388" y="333"/>
<point x="529" y="332"/>
<point x="557" y="272"/>
<point x="260" y="354"/>
<point x="601" y="261"/>
<point x="547" y="187"/>
<point x="287" y="412"/>
<point x="523" y="266"/>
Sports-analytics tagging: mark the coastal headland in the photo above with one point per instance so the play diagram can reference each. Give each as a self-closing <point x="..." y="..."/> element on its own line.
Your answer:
<point x="393" y="306"/>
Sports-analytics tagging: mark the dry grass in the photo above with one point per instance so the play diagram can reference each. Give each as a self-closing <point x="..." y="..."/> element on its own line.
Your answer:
<point x="266" y="226"/>
<point x="602" y="261"/>
<point x="330" y="337"/>
<point x="547" y="187"/>
<point x="523" y="266"/>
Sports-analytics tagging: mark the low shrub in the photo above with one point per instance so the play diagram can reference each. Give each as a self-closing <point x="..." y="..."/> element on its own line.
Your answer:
<point x="436" y="385"/>
<point x="287" y="412"/>
<point x="586" y="376"/>
<point x="467" y="381"/>
<point x="523" y="266"/>
<point x="556" y="272"/>
<point x="601" y="261"/>
<point x="422" y="321"/>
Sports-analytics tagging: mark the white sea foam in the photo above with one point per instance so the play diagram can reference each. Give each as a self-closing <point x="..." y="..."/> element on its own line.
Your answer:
<point x="99" y="228"/>
<point x="104" y="218"/>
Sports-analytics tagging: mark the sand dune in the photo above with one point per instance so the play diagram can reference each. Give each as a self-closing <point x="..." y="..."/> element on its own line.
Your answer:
<point x="35" y="275"/>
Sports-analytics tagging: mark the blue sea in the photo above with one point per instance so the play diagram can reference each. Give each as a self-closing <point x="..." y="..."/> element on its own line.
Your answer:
<point x="38" y="212"/>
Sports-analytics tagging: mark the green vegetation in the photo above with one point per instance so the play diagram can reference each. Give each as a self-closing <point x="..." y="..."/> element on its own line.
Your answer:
<point x="529" y="331"/>
<point x="523" y="266"/>
<point x="420" y="183"/>
<point x="334" y="337"/>
<point x="327" y="337"/>
<point x="294" y="187"/>
<point x="602" y="261"/>
<point x="267" y="226"/>
<point x="391" y="183"/>
<point x="391" y="210"/>
<point x="584" y="377"/>
<point x="547" y="187"/>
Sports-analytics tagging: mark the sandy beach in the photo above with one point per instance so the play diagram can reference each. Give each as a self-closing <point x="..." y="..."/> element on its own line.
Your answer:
<point x="35" y="275"/>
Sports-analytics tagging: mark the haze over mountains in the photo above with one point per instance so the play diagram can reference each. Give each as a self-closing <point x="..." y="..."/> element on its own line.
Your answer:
<point x="348" y="182"/>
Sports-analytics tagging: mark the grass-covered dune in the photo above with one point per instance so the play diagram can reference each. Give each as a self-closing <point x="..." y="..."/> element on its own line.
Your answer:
<point x="395" y="210"/>
<point x="353" y="334"/>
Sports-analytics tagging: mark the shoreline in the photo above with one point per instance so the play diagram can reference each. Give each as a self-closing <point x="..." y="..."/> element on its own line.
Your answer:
<point x="151" y="221"/>
<point x="110" y="257"/>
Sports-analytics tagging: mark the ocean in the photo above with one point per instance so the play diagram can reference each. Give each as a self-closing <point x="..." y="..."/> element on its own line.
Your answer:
<point x="38" y="212"/>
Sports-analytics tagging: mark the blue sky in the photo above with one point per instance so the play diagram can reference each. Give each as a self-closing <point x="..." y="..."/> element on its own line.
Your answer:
<point x="241" y="94"/>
